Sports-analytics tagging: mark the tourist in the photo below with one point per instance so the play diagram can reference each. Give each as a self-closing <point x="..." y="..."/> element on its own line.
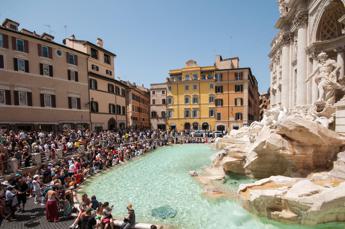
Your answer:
<point x="94" y="202"/>
<point x="129" y="221"/>
<point x="107" y="218"/>
<point x="11" y="201"/>
<point x="22" y="188"/>
<point x="52" y="211"/>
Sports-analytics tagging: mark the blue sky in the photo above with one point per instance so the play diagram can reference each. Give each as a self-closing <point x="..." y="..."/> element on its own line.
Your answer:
<point x="150" y="37"/>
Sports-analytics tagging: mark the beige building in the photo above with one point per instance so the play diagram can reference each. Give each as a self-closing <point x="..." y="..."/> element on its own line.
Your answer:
<point x="35" y="88"/>
<point x="158" y="106"/>
<point x="264" y="101"/>
<point x="107" y="95"/>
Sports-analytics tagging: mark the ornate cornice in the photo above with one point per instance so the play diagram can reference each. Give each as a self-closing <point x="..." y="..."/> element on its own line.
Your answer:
<point x="282" y="39"/>
<point x="300" y="19"/>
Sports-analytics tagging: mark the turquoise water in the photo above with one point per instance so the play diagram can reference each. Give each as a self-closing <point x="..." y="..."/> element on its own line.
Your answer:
<point x="161" y="178"/>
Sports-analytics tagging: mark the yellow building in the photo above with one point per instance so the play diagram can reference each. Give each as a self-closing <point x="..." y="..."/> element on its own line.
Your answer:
<point x="219" y="97"/>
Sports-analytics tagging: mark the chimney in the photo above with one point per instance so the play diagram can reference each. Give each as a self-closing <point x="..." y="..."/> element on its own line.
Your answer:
<point x="47" y="36"/>
<point x="99" y="42"/>
<point x="10" y="24"/>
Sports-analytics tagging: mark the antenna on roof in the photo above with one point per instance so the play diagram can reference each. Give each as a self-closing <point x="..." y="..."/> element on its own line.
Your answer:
<point x="65" y="27"/>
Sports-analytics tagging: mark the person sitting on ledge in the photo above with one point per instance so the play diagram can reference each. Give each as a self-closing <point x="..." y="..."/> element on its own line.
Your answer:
<point x="129" y="221"/>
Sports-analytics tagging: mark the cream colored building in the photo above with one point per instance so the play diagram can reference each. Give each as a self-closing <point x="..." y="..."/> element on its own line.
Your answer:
<point x="35" y="90"/>
<point x="158" y="105"/>
<point x="306" y="28"/>
<point x="107" y="95"/>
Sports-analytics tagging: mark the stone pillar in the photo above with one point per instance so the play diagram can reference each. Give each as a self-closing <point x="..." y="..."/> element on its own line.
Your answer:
<point x="285" y="75"/>
<point x="300" y="23"/>
<point x="340" y="61"/>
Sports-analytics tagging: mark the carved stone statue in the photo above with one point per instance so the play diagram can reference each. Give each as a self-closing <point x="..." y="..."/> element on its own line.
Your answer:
<point x="283" y="9"/>
<point x="326" y="78"/>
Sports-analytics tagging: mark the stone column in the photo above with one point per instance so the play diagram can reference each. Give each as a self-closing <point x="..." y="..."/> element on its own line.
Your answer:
<point x="301" y="24"/>
<point x="285" y="72"/>
<point x="315" y="91"/>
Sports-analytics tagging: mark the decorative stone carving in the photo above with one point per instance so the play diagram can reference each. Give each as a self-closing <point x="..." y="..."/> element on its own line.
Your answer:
<point x="326" y="78"/>
<point x="300" y="19"/>
<point x="283" y="9"/>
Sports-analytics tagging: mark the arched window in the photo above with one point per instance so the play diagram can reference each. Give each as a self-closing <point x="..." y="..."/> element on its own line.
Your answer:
<point x="187" y="126"/>
<point x="195" y="126"/>
<point x="329" y="26"/>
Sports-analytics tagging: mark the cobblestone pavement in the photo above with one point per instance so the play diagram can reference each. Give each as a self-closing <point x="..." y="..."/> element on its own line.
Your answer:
<point x="33" y="217"/>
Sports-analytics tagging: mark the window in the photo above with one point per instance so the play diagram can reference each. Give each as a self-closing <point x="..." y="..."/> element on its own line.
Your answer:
<point x="219" y="89"/>
<point x="46" y="70"/>
<point x="94" y="53"/>
<point x="238" y="102"/>
<point x="203" y="77"/>
<point x="72" y="59"/>
<point x="163" y="101"/>
<point x="219" y="102"/>
<point x="48" y="100"/>
<point x="123" y="110"/>
<point x="94" y="67"/>
<point x="94" y="107"/>
<point x="170" y="100"/>
<point x="211" y="85"/>
<point x="209" y="76"/>
<point x="20" y="45"/>
<point x="195" y="113"/>
<point x="195" y="99"/>
<point x="211" y="99"/>
<point x="219" y="116"/>
<point x="169" y="88"/>
<point x="1" y="61"/>
<point x="238" y="88"/>
<point x="186" y="87"/>
<point x="2" y="97"/>
<point x="108" y="72"/>
<point x="163" y="114"/>
<point x="123" y="92"/>
<point x="186" y="113"/>
<point x="107" y="59"/>
<point x="153" y="92"/>
<point x="219" y="76"/>
<point x="187" y="77"/>
<point x="211" y="112"/>
<point x="110" y="88"/>
<point x="195" y="87"/>
<point x="238" y="116"/>
<point x="195" y="76"/>
<point x="153" y="101"/>
<point x="21" y="65"/>
<point x="73" y="75"/>
<point x="163" y="92"/>
<point x="111" y="108"/>
<point x="23" y="98"/>
<point x="238" y="75"/>
<point x="118" y="110"/>
<point x="1" y="40"/>
<point x="186" y="99"/>
<point x="45" y="51"/>
<point x="117" y="90"/>
<point x="153" y="114"/>
<point x="93" y="84"/>
<point x="169" y="113"/>
<point x="74" y="103"/>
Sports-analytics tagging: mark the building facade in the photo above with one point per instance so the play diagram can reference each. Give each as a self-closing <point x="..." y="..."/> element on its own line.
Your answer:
<point x="138" y="106"/>
<point x="219" y="97"/>
<point x="107" y="95"/>
<point x="264" y="101"/>
<point x="306" y="28"/>
<point x="35" y="88"/>
<point x="158" y="106"/>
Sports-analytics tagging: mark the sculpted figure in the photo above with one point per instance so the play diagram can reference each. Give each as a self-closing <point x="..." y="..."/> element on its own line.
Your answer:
<point x="326" y="78"/>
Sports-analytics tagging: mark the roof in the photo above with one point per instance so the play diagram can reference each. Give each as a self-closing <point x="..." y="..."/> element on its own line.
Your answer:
<point x="92" y="74"/>
<point x="9" y="20"/>
<point x="44" y="40"/>
<point x="91" y="44"/>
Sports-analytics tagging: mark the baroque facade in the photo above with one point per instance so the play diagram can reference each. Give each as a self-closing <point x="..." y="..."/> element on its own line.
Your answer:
<point x="306" y="29"/>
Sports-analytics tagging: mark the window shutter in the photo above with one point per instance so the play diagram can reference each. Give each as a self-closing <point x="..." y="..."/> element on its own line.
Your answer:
<point x="15" y="64"/>
<point x="41" y="69"/>
<point x="50" y="52"/>
<point x="67" y="55"/>
<point x="14" y="43"/>
<point x="39" y="49"/>
<point x="78" y="103"/>
<point x="69" y="74"/>
<point x="76" y="60"/>
<point x="26" y="66"/>
<point x="51" y="70"/>
<point x="76" y="76"/>
<point x="8" y="97"/>
<point x="5" y="37"/>
<point x="42" y="100"/>
<point x="53" y="100"/>
<point x="1" y="61"/>
<point x="69" y="103"/>
<point x="26" y="46"/>
<point x="16" y="98"/>
<point x="29" y="94"/>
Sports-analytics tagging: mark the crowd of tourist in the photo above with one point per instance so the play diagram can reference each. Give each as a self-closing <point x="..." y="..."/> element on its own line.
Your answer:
<point x="67" y="158"/>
